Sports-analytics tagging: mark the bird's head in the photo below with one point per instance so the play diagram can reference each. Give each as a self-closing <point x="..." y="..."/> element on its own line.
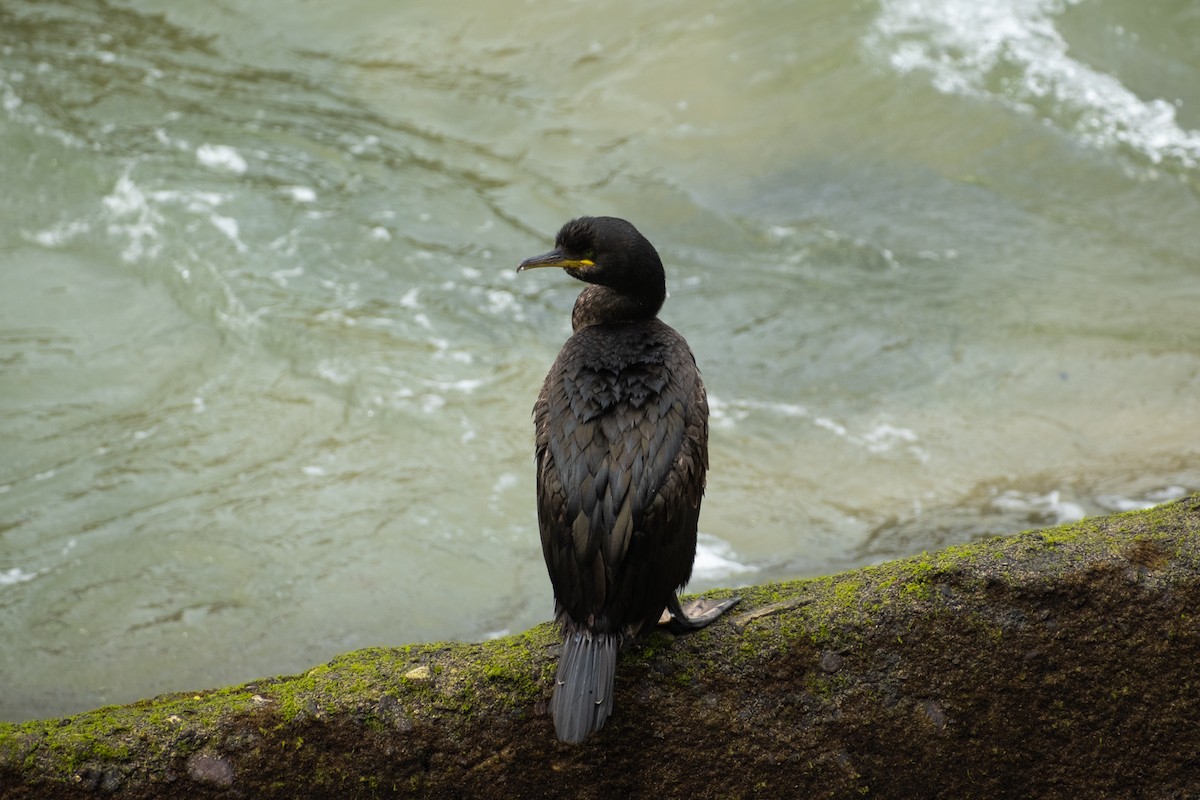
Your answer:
<point x="607" y="251"/>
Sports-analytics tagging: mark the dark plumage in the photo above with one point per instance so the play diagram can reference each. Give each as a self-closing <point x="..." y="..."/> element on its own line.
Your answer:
<point x="621" y="448"/>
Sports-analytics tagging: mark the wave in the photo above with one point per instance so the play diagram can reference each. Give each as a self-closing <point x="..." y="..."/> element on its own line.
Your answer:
<point x="1013" y="52"/>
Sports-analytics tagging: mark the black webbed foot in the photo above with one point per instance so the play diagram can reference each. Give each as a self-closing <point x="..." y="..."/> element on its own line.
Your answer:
<point x="694" y="614"/>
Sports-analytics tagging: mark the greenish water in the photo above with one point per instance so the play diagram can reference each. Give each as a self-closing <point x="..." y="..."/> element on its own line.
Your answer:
<point x="266" y="368"/>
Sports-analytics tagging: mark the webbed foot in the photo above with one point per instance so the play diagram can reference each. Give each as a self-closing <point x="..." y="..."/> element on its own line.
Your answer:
<point x="694" y="614"/>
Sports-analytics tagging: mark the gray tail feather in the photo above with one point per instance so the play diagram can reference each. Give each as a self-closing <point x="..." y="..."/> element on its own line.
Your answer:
<point x="583" y="688"/>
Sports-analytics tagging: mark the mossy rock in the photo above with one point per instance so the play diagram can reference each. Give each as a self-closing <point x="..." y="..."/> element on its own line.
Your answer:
<point x="1054" y="663"/>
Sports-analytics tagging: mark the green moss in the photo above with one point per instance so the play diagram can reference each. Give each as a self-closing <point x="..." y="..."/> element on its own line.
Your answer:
<point x="507" y="664"/>
<point x="918" y="585"/>
<point x="819" y="686"/>
<point x="686" y="676"/>
<point x="111" y="733"/>
<point x="386" y="688"/>
<point x="835" y="610"/>
<point x="846" y="592"/>
<point x="1066" y="534"/>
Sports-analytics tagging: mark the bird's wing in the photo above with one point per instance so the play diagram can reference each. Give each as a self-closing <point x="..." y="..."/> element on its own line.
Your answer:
<point x="621" y="450"/>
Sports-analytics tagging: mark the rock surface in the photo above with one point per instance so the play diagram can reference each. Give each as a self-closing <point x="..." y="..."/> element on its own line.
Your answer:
<point x="1054" y="663"/>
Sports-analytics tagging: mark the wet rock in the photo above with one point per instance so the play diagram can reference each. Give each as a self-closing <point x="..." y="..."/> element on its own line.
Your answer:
<point x="831" y="662"/>
<point x="1045" y="672"/>
<point x="204" y="768"/>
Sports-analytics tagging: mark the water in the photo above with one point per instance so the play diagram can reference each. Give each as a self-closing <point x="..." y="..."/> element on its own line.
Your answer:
<point x="267" y="368"/>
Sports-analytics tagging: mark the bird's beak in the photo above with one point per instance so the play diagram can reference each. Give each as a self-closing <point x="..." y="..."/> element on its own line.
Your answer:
<point x="555" y="258"/>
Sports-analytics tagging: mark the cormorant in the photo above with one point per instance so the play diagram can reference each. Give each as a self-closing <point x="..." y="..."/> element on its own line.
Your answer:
<point x="621" y="449"/>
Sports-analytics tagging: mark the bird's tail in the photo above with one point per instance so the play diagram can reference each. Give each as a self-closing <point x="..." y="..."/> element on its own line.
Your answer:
<point x="583" y="688"/>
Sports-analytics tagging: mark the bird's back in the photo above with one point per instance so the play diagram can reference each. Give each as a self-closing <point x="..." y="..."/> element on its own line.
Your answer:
<point x="622" y="449"/>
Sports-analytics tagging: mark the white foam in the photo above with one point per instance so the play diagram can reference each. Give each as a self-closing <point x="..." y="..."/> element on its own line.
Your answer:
<point x="228" y="226"/>
<point x="500" y="301"/>
<point x="466" y="385"/>
<point x="280" y="276"/>
<point x="504" y="482"/>
<point x="883" y="437"/>
<point x="193" y="200"/>
<point x="715" y="559"/>
<point x="9" y="100"/>
<point x="15" y="575"/>
<point x="973" y="48"/>
<point x="125" y="198"/>
<point x="332" y="372"/>
<point x="126" y="201"/>
<point x="727" y="414"/>
<point x="59" y="235"/>
<point x="1051" y="504"/>
<point x="1167" y="493"/>
<point x="301" y="194"/>
<point x="337" y="315"/>
<point x="833" y="427"/>
<point x="222" y="157"/>
<point x="135" y="216"/>
<point x="1116" y="502"/>
<point x="409" y="298"/>
<point x="368" y="142"/>
<point x="26" y="115"/>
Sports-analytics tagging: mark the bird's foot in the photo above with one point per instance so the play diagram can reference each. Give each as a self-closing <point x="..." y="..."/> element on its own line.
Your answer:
<point x="694" y="614"/>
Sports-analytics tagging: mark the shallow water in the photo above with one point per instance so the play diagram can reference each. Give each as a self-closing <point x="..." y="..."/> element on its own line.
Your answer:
<point x="267" y="368"/>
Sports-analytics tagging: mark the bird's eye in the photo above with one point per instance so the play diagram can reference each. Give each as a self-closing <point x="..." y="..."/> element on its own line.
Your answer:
<point x="589" y="254"/>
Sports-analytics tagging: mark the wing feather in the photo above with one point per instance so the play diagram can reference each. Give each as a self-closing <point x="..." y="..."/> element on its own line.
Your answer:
<point x="621" y="447"/>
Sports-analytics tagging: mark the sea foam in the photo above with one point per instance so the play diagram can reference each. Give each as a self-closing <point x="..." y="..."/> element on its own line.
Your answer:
<point x="1011" y="51"/>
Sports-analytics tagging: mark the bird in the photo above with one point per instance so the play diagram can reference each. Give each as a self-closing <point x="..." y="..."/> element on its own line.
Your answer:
<point x="621" y="453"/>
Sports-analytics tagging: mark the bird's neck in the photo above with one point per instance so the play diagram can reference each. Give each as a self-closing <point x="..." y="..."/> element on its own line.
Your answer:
<point x="602" y="305"/>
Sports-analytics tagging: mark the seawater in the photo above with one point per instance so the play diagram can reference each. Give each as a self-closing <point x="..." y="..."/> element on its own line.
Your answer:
<point x="266" y="368"/>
